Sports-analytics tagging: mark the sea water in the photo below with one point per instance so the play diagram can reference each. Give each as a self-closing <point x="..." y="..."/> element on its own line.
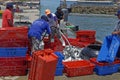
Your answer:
<point x="103" y="24"/>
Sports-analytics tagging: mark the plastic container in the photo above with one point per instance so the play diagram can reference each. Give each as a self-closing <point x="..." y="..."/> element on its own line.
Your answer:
<point x="43" y="65"/>
<point x="86" y="35"/>
<point x="14" y="33"/>
<point x="13" y="71"/>
<point x="59" y="71"/>
<point x="94" y="60"/>
<point x="13" y="61"/>
<point x="28" y="60"/>
<point x="109" y="49"/>
<point x="13" y="51"/>
<point x="78" y="68"/>
<point x="22" y="43"/>
<point x="105" y="68"/>
<point x="60" y="58"/>
<point x="75" y="42"/>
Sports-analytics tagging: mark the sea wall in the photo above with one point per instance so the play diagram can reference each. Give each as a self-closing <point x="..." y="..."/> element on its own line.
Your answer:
<point x="94" y="9"/>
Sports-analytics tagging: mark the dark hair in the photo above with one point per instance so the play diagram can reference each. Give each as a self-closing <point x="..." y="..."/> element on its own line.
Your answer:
<point x="58" y="8"/>
<point x="9" y="6"/>
<point x="44" y="17"/>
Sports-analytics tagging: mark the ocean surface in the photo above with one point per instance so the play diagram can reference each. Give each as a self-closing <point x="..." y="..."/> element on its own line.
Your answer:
<point x="103" y="24"/>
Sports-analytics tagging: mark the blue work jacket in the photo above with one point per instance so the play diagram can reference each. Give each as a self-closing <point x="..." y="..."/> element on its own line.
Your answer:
<point x="38" y="27"/>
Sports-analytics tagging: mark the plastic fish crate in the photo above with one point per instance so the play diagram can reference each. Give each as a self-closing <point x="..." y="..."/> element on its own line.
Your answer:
<point x="94" y="60"/>
<point x="87" y="33"/>
<point x="28" y="60"/>
<point x="78" y="68"/>
<point x="60" y="58"/>
<point x="22" y="43"/>
<point x="57" y="45"/>
<point x="59" y="71"/>
<point x="13" y="71"/>
<point x="87" y="39"/>
<point x="109" y="49"/>
<point x="105" y="68"/>
<point x="13" y="61"/>
<point x="43" y="65"/>
<point x="73" y="39"/>
<point x="14" y="33"/>
<point x="13" y="51"/>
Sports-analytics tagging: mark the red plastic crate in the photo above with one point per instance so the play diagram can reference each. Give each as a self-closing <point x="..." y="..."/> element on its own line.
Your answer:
<point x="28" y="60"/>
<point x="13" y="61"/>
<point x="43" y="65"/>
<point x="87" y="39"/>
<point x="23" y="43"/>
<point x="49" y="45"/>
<point x="13" y="71"/>
<point x="87" y="33"/>
<point x="57" y="45"/>
<point x="10" y="33"/>
<point x="78" y="68"/>
<point x="73" y="39"/>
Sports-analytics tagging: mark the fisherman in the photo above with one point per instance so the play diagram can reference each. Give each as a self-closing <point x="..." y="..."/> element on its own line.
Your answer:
<point x="117" y="27"/>
<point x="38" y="27"/>
<point x="53" y="22"/>
<point x="60" y="15"/>
<point x="7" y="16"/>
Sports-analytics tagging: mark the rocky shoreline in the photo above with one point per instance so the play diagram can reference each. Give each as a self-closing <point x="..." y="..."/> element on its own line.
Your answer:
<point x="95" y="9"/>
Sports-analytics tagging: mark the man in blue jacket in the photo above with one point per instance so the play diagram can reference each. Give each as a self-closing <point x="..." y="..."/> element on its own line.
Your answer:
<point x="36" y="31"/>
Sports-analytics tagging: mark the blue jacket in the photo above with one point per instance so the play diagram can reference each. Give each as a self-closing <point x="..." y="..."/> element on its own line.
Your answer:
<point x="38" y="27"/>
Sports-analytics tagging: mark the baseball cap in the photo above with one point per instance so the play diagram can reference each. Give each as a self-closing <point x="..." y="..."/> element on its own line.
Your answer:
<point x="118" y="13"/>
<point x="47" y="11"/>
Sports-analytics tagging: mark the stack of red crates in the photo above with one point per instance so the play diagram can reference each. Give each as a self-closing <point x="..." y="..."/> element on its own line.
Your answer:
<point x="87" y="36"/>
<point x="43" y="65"/>
<point x="13" y="48"/>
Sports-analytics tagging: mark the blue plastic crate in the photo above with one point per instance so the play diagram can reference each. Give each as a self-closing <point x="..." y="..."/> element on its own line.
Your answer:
<point x="59" y="71"/>
<point x="109" y="48"/>
<point x="60" y="55"/>
<point x="60" y="58"/>
<point x="13" y="51"/>
<point x="106" y="70"/>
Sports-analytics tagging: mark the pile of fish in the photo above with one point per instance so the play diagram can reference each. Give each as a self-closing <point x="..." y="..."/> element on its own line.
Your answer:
<point x="72" y="53"/>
